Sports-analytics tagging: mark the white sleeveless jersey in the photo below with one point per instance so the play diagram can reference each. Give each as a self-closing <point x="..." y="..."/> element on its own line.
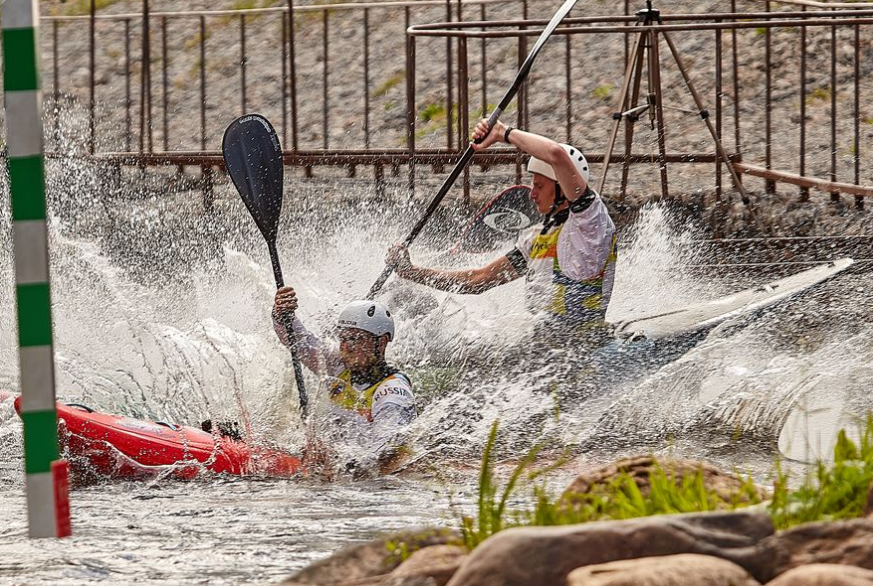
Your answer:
<point x="570" y="270"/>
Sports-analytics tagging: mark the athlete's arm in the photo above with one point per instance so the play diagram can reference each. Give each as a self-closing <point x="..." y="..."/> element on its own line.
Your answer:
<point x="547" y="150"/>
<point x="309" y="347"/>
<point x="467" y="281"/>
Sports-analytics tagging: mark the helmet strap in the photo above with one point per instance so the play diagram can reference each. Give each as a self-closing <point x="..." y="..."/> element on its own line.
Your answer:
<point x="559" y="200"/>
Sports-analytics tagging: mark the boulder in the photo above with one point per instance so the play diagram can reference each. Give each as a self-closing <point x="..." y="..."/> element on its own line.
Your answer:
<point x="726" y="486"/>
<point x="827" y="542"/>
<point x="527" y="556"/>
<point x="824" y="575"/>
<point x="439" y="562"/>
<point x="373" y="559"/>
<point x="671" y="570"/>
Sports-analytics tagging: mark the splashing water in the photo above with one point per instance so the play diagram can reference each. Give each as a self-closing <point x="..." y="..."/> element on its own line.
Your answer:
<point x="163" y="312"/>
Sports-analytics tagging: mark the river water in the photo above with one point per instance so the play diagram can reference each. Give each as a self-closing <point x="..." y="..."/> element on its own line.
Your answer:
<point x="162" y="312"/>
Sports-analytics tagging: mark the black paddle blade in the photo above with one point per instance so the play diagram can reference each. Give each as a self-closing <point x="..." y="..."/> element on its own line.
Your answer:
<point x="500" y="221"/>
<point x="253" y="157"/>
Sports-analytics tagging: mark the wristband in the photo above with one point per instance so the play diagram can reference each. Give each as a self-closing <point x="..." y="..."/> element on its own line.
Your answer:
<point x="506" y="134"/>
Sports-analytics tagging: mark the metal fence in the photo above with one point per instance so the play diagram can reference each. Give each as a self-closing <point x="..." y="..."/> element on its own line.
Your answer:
<point x="795" y="116"/>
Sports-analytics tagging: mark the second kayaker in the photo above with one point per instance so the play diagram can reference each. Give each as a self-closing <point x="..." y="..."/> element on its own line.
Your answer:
<point x="367" y="395"/>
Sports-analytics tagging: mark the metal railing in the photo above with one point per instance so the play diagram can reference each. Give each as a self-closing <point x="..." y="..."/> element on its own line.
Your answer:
<point x="312" y="137"/>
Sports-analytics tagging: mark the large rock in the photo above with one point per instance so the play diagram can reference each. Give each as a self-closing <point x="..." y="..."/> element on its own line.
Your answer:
<point x="726" y="486"/>
<point x="671" y="570"/>
<point x="824" y="575"/>
<point x="545" y="555"/>
<point x="373" y="559"/>
<point x="828" y="542"/>
<point x="439" y="562"/>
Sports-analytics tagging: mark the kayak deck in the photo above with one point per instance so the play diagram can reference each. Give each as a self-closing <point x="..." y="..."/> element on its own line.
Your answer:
<point x="120" y="447"/>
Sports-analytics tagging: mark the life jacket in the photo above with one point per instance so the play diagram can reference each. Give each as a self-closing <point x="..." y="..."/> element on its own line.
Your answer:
<point x="343" y="394"/>
<point x="580" y="302"/>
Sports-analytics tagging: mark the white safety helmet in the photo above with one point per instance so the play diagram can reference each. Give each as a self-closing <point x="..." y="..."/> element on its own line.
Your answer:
<point x="370" y="316"/>
<point x="535" y="165"/>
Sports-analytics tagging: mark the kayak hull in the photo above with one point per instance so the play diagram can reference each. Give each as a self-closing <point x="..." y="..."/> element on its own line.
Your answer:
<point x="119" y="447"/>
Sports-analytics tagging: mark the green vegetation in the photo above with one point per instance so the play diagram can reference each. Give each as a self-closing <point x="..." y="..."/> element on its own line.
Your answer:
<point x="389" y="83"/>
<point x="832" y="492"/>
<point x="818" y="95"/>
<point x="246" y="5"/>
<point x="407" y="543"/>
<point x="195" y="40"/>
<point x="434" y="116"/>
<point x="492" y="511"/>
<point x="604" y="91"/>
<point x="82" y="7"/>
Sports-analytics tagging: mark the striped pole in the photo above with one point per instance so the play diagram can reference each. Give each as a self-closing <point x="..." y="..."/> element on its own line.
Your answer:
<point x="48" y="508"/>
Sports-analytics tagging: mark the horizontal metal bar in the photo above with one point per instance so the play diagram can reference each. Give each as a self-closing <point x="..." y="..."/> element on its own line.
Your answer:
<point x="567" y="22"/>
<point x="784" y="238"/>
<point x="793" y="179"/>
<point x="773" y="264"/>
<point x="833" y="21"/>
<point x="309" y="8"/>
<point x="821" y="4"/>
<point x="361" y="157"/>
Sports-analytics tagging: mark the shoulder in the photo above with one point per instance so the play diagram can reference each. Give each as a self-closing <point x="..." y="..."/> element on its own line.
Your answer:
<point x="593" y="224"/>
<point x="394" y="390"/>
<point x="524" y="242"/>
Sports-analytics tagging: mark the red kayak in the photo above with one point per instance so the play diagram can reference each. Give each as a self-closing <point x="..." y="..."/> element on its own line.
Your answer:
<point x="115" y="446"/>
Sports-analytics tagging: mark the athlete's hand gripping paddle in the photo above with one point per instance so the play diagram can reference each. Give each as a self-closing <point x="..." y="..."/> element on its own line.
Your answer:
<point x="468" y="154"/>
<point x="253" y="157"/>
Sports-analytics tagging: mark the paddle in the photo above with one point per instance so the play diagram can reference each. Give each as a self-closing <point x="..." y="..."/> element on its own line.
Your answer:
<point x="468" y="154"/>
<point x="253" y="157"/>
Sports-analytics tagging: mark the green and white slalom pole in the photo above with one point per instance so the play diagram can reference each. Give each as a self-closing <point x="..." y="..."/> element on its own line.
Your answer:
<point x="48" y="508"/>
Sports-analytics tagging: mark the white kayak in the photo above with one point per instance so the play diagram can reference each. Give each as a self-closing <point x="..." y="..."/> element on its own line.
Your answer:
<point x="700" y="316"/>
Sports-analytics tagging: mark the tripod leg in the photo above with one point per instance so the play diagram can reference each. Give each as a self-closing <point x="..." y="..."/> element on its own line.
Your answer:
<point x="630" y="122"/>
<point x="656" y="97"/>
<point x="635" y="55"/>
<point x="705" y="116"/>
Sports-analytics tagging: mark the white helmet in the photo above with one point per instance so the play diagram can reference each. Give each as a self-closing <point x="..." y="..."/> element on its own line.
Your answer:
<point x="370" y="316"/>
<point x="535" y="165"/>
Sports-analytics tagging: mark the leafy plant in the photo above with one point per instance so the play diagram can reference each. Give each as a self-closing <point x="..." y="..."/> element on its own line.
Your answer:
<point x="831" y="492"/>
<point x="491" y="510"/>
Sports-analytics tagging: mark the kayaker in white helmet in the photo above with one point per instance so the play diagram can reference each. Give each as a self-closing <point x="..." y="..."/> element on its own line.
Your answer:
<point x="362" y="387"/>
<point x="568" y="261"/>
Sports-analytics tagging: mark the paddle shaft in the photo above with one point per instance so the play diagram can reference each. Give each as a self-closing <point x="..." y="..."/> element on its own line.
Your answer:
<point x="289" y="329"/>
<point x="468" y="153"/>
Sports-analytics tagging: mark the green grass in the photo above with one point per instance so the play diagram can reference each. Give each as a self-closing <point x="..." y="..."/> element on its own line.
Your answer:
<point x="818" y="95"/>
<point x="245" y="5"/>
<point x="604" y="91"/>
<point x="492" y="513"/>
<point x="82" y="7"/>
<point x="389" y="83"/>
<point x="832" y="492"/>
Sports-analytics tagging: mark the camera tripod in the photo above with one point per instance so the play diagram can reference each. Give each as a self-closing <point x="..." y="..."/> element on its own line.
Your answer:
<point x="646" y="49"/>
